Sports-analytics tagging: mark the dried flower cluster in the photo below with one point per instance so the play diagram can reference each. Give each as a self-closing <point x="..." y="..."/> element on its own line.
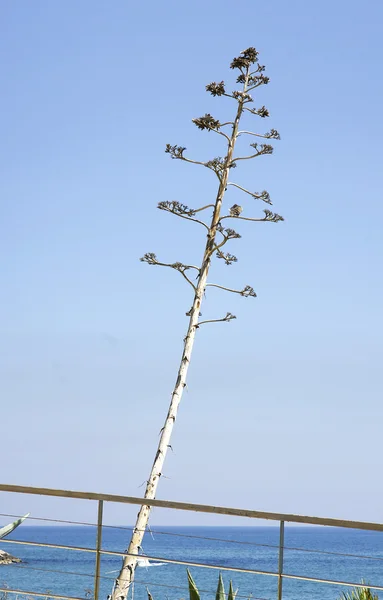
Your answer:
<point x="229" y="317"/>
<point x="260" y="112"/>
<point x="246" y="58"/>
<point x="248" y="291"/>
<point x="176" y="208"/>
<point x="272" y="134"/>
<point x="175" y="151"/>
<point x="216" y="164"/>
<point x="228" y="258"/>
<point x="243" y="96"/>
<point x="272" y="217"/>
<point x="216" y="89"/>
<point x="207" y="122"/>
<point x="262" y="148"/>
<point x="265" y="196"/>
<point x="231" y="234"/>
<point x="149" y="258"/>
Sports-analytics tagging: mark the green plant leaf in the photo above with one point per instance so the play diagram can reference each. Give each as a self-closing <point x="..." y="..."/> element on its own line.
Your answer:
<point x="4" y="531"/>
<point x="232" y="594"/>
<point x="150" y="597"/>
<point x="220" y="594"/>
<point x="193" y="590"/>
<point x="359" y="593"/>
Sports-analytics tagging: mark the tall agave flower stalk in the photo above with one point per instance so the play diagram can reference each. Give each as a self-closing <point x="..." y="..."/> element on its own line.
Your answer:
<point x="250" y="77"/>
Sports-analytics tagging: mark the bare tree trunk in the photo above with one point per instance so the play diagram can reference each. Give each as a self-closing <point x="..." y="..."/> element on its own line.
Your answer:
<point x="126" y="575"/>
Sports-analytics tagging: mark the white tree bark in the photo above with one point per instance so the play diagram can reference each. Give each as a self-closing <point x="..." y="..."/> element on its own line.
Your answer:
<point x="126" y="575"/>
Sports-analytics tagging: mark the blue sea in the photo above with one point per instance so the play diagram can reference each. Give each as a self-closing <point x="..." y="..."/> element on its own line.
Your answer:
<point x="71" y="573"/>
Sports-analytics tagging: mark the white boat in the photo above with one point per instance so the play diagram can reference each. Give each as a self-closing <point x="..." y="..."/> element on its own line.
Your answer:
<point x="144" y="562"/>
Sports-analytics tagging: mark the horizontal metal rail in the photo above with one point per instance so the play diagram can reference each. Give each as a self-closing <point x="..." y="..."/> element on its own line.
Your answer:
<point x="203" y="508"/>
<point x="200" y="508"/>
<point x="188" y="563"/>
<point x="203" y="537"/>
<point x="46" y="545"/>
<point x="136" y="581"/>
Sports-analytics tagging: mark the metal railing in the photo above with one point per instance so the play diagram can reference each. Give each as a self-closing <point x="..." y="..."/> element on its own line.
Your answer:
<point x="99" y="551"/>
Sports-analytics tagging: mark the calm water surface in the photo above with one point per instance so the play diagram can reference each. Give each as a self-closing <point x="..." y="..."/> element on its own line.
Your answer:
<point x="71" y="573"/>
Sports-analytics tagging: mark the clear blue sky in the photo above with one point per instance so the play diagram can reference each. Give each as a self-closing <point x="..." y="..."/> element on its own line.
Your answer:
<point x="291" y="392"/>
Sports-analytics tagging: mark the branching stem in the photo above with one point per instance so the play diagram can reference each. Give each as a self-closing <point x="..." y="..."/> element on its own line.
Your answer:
<point x="187" y="218"/>
<point x="229" y="317"/>
<point x="221" y="133"/>
<point x="222" y="287"/>
<point x="244" y="218"/>
<point x="204" y="207"/>
<point x="260" y="135"/>
<point x="193" y="162"/>
<point x="248" y="157"/>
<point x="241" y="188"/>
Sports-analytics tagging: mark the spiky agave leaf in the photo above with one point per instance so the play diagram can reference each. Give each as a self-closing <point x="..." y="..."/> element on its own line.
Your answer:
<point x="220" y="593"/>
<point x="193" y="590"/>
<point x="232" y="594"/>
<point x="359" y="593"/>
<point x="7" y="529"/>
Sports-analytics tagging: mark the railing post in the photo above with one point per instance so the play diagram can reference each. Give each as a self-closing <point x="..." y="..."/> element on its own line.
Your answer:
<point x="98" y="548"/>
<point x="280" y="560"/>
